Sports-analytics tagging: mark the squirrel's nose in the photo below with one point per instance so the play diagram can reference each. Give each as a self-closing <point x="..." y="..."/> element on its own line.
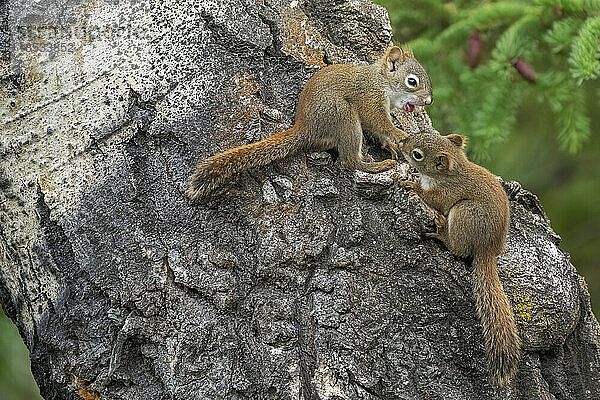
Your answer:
<point x="428" y="100"/>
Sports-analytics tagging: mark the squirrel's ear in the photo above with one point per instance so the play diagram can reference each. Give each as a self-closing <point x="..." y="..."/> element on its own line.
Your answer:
<point x="394" y="57"/>
<point x="443" y="161"/>
<point x="457" y="140"/>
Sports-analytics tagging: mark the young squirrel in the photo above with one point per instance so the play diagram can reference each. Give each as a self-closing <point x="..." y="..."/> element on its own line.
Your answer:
<point x="335" y="106"/>
<point x="473" y="222"/>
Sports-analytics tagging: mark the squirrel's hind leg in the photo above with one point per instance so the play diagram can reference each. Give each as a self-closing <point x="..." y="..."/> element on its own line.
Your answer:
<point x="441" y="234"/>
<point x="350" y="149"/>
<point x="463" y="217"/>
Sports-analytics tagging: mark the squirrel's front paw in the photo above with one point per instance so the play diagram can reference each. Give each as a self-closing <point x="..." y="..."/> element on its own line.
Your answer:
<point x="389" y="164"/>
<point x="410" y="185"/>
<point x="440" y="221"/>
<point x="392" y="147"/>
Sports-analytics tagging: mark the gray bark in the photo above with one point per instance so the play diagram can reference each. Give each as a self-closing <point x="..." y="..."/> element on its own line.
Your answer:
<point x="302" y="282"/>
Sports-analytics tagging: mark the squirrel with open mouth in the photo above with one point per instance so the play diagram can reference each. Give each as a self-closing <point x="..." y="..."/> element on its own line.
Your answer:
<point x="337" y="104"/>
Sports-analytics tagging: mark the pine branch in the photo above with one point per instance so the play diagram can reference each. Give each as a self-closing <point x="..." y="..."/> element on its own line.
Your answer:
<point x="574" y="124"/>
<point x="562" y="32"/>
<point x="516" y="40"/>
<point x="483" y="17"/>
<point x="572" y="5"/>
<point x="553" y="90"/>
<point x="494" y="117"/>
<point x="584" y="51"/>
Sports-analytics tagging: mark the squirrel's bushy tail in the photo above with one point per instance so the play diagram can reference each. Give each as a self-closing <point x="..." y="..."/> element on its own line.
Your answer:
<point x="212" y="172"/>
<point x="502" y="342"/>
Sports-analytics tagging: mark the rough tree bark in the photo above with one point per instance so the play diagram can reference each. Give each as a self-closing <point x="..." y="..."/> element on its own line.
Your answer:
<point x="303" y="282"/>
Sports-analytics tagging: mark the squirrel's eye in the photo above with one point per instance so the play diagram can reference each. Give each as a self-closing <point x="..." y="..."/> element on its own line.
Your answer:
<point x="417" y="154"/>
<point x="411" y="81"/>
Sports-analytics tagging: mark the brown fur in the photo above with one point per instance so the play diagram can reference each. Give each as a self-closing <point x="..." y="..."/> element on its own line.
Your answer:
<point x="474" y="223"/>
<point x="335" y="106"/>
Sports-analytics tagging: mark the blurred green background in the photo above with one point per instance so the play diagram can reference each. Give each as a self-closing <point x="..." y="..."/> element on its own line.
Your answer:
<point x="16" y="381"/>
<point x="541" y="134"/>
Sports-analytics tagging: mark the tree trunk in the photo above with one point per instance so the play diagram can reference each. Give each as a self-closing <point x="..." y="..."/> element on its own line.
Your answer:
<point x="301" y="282"/>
